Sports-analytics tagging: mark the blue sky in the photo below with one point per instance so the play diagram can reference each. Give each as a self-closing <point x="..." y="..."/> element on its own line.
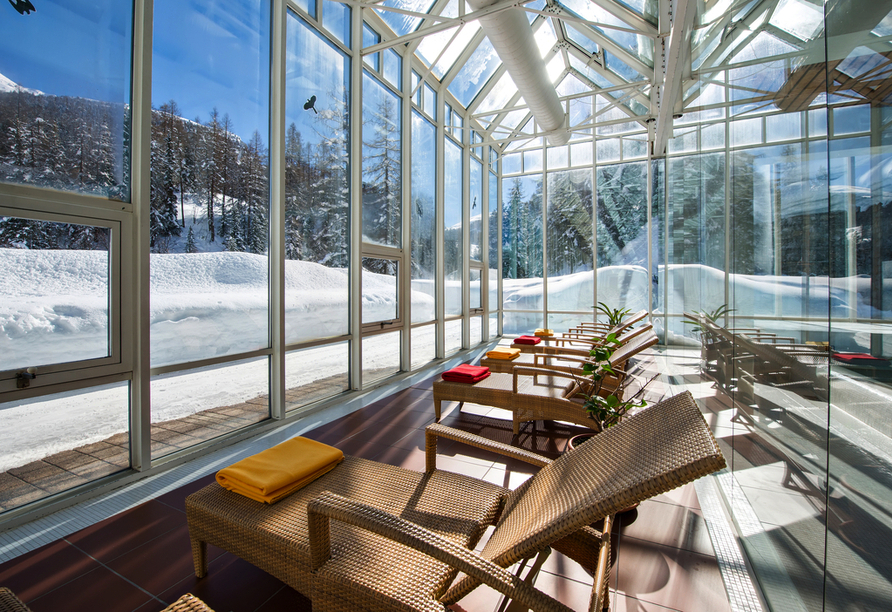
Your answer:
<point x="206" y="54"/>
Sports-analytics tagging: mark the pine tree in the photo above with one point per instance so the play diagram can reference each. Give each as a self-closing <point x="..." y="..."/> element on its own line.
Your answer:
<point x="381" y="174"/>
<point x="191" y="247"/>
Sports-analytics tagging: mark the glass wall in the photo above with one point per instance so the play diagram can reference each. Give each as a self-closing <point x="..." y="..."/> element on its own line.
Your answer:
<point x="522" y="260"/>
<point x="209" y="216"/>
<point x="453" y="255"/>
<point x="424" y="219"/>
<point x="317" y="186"/>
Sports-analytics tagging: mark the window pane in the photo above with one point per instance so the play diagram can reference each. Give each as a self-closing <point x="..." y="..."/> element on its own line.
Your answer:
<point x="210" y="179"/>
<point x="379" y="290"/>
<point x="453" y="336"/>
<point x="317" y="186"/>
<point x="424" y="345"/>
<point x="569" y="241"/>
<point x="201" y="404"/>
<point x="453" y="258"/>
<point x="380" y="356"/>
<point x="622" y="236"/>
<point x="423" y="210"/>
<point x="54" y="293"/>
<point x="315" y="373"/>
<point x="522" y="244"/>
<point x="476" y="330"/>
<point x="336" y="19"/>
<point x="430" y="101"/>
<point x="477" y="210"/>
<point x="57" y="442"/>
<point x="381" y="164"/>
<point x="370" y="38"/>
<point x="393" y="70"/>
<point x="475" y="286"/>
<point x="64" y="105"/>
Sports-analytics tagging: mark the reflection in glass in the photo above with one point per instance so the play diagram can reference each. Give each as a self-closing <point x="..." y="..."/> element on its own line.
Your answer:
<point x="475" y="289"/>
<point x="64" y="102"/>
<point x="423" y="210"/>
<point x="193" y="406"/>
<point x="57" y="442"/>
<point x="316" y="373"/>
<point x="381" y="164"/>
<point x="54" y="293"/>
<point x="493" y="240"/>
<point x="336" y="19"/>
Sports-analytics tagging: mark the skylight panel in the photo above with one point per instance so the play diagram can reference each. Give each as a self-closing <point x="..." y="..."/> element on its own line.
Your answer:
<point x="571" y="85"/>
<point x="404" y="24"/>
<point x="639" y="46"/>
<point x="589" y="72"/>
<point x="545" y="38"/>
<point x="503" y="91"/>
<point x="763" y="46"/>
<point x="457" y="47"/>
<point x="475" y="73"/>
<point x="432" y="44"/>
<point x="884" y="28"/>
<point x="802" y="19"/>
<point x="555" y="68"/>
<point x="576" y="35"/>
<point x="614" y="64"/>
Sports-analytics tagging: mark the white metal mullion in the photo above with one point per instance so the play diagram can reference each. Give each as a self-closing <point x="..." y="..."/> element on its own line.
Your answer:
<point x="355" y="241"/>
<point x="277" y="211"/>
<point x="466" y="240"/>
<point x="543" y="213"/>
<point x="138" y="287"/>
<point x="669" y="80"/>
<point x="406" y="243"/>
<point x="439" y="230"/>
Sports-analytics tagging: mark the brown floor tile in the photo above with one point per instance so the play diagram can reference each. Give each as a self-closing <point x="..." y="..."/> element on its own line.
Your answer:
<point x="408" y="459"/>
<point x="286" y="599"/>
<point x="682" y="496"/>
<point x="99" y="589"/>
<point x="669" y="577"/>
<point x="161" y="563"/>
<point x="177" y="498"/>
<point x="668" y="525"/>
<point x="45" y="569"/>
<point x="231" y="584"/>
<point x="621" y="603"/>
<point x="127" y="531"/>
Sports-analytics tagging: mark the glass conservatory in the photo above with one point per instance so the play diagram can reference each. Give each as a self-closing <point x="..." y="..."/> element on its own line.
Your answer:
<point x="220" y="216"/>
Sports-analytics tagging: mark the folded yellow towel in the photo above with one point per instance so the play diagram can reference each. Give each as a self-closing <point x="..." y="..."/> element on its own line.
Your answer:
<point x="503" y="352"/>
<point x="276" y="472"/>
<point x="543" y="333"/>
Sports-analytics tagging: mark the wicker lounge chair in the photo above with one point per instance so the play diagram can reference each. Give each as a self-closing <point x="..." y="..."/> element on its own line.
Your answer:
<point x="570" y="359"/>
<point x="187" y="603"/>
<point x="584" y="336"/>
<point x="400" y="538"/>
<point x="534" y="393"/>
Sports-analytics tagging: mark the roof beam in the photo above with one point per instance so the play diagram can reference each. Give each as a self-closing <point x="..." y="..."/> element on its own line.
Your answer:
<point x="671" y="71"/>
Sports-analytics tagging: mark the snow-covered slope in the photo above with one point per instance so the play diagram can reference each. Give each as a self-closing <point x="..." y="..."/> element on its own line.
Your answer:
<point x="8" y="85"/>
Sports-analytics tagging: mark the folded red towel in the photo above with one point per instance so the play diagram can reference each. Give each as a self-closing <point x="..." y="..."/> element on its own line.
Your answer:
<point x="464" y="379"/>
<point x="466" y="373"/>
<point x="857" y="357"/>
<point x="527" y="340"/>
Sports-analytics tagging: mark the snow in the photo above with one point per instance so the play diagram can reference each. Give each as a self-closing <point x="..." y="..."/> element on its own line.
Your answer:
<point x="8" y="86"/>
<point x="54" y="308"/>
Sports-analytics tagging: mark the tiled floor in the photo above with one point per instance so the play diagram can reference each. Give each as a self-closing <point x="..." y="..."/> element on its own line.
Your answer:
<point x="140" y="559"/>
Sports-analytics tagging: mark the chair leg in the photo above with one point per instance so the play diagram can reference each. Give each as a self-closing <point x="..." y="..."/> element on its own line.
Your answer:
<point x="513" y="606"/>
<point x="200" y="557"/>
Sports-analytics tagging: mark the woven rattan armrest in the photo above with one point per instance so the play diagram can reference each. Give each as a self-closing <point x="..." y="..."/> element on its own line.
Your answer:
<point x="539" y="371"/>
<point x="329" y="506"/>
<point x="435" y="430"/>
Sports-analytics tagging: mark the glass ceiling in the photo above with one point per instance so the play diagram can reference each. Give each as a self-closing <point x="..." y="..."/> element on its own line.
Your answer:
<point x="611" y="48"/>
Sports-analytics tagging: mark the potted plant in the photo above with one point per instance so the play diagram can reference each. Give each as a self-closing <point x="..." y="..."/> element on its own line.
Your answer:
<point x="605" y="408"/>
<point x="614" y="316"/>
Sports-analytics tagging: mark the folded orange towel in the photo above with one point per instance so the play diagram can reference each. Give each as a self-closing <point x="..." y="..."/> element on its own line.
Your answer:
<point x="503" y="352"/>
<point x="281" y="470"/>
<point x="543" y="333"/>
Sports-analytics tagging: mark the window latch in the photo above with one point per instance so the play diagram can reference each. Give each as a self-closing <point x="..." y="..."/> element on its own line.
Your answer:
<point x="23" y="379"/>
